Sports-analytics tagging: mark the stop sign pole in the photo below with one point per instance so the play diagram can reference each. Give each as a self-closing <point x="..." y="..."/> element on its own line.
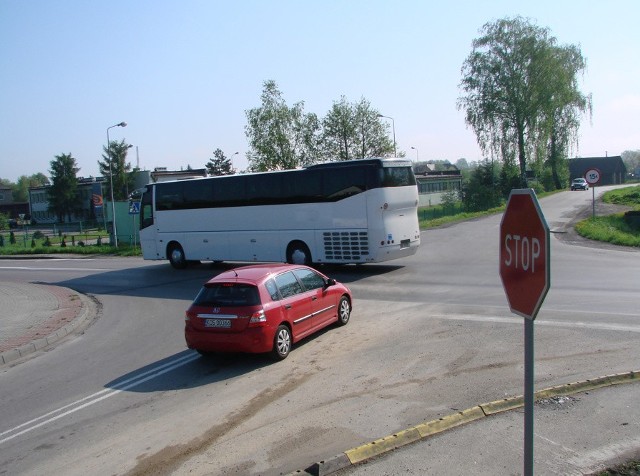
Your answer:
<point x="525" y="273"/>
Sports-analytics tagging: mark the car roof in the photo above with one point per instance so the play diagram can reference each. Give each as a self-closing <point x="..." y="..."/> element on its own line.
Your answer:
<point x="254" y="273"/>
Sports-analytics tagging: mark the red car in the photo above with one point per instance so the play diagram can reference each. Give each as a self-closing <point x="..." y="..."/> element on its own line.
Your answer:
<point x="264" y="308"/>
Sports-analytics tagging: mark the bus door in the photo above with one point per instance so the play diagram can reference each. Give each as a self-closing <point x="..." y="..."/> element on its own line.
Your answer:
<point x="148" y="230"/>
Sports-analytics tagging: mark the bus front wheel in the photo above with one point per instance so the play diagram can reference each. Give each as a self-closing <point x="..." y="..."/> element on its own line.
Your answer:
<point x="298" y="253"/>
<point x="176" y="257"/>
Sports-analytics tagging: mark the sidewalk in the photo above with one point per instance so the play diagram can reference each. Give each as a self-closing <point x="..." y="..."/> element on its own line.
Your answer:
<point x="35" y="316"/>
<point x="579" y="429"/>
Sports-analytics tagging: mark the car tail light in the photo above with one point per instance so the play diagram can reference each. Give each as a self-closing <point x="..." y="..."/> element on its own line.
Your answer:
<point x="258" y="319"/>
<point x="187" y="316"/>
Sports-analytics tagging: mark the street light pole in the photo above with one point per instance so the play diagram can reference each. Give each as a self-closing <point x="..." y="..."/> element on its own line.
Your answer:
<point x="113" y="205"/>
<point x="393" y="125"/>
<point x="231" y="160"/>
<point x="417" y="154"/>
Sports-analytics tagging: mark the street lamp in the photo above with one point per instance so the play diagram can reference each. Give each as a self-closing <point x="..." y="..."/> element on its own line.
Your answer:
<point x="231" y="160"/>
<point x="393" y="124"/>
<point x="113" y="205"/>
<point x="417" y="155"/>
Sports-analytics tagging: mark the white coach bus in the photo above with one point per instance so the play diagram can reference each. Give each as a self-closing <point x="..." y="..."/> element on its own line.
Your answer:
<point x="359" y="211"/>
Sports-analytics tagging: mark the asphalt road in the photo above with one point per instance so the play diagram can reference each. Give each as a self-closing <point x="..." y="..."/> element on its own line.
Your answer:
<point x="429" y="335"/>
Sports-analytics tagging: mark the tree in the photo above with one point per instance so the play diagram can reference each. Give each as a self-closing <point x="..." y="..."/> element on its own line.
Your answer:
<point x="280" y="137"/>
<point x="480" y="192"/>
<point x="21" y="190"/>
<point x="521" y="95"/>
<point x="115" y="163"/>
<point x="561" y="117"/>
<point x="631" y="159"/>
<point x="354" y="131"/>
<point x="219" y="164"/>
<point x="63" y="194"/>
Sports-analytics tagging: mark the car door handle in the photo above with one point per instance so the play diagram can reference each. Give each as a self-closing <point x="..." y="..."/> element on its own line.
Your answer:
<point x="287" y="306"/>
<point x="313" y="298"/>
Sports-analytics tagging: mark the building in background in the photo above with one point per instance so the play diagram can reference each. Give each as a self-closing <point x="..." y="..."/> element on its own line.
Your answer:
<point x="9" y="207"/>
<point x="612" y="169"/>
<point x="434" y="180"/>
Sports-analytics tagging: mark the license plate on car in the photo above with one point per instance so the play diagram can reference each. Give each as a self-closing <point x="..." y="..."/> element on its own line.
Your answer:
<point x="220" y="323"/>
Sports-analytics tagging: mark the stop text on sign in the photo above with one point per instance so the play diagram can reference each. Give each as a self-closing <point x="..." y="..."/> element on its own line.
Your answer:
<point x="521" y="252"/>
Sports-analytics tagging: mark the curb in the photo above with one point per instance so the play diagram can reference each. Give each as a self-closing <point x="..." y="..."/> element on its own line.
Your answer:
<point x="38" y="344"/>
<point x="424" y="430"/>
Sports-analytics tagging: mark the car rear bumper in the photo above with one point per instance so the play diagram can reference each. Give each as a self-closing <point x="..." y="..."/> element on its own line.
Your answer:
<point x="256" y="340"/>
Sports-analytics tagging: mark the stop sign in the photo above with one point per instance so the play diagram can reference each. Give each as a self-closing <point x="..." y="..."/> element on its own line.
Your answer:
<point x="524" y="253"/>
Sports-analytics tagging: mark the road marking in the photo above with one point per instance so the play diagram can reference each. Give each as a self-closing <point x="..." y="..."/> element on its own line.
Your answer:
<point x="30" y="268"/>
<point x="95" y="398"/>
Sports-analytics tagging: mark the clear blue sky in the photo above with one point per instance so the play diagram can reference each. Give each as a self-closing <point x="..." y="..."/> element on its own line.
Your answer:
<point x="183" y="73"/>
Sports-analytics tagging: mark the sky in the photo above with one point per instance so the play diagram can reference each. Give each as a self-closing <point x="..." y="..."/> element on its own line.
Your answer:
<point x="182" y="74"/>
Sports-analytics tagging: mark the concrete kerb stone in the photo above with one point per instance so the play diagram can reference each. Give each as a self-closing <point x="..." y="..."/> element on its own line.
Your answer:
<point x="425" y="430"/>
<point x="43" y="342"/>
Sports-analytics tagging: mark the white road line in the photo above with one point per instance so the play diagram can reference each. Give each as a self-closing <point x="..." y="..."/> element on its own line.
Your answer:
<point x="95" y="398"/>
<point x="30" y="268"/>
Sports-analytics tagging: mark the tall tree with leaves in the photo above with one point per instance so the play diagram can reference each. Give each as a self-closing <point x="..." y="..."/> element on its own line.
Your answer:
<point x="354" y="131"/>
<point x="21" y="191"/>
<point x="280" y="137"/>
<point x="115" y="163"/>
<point x="220" y="164"/>
<point x="63" y="194"/>
<point x="566" y="105"/>
<point x="518" y="87"/>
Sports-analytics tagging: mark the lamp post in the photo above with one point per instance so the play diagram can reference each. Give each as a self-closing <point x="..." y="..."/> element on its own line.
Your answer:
<point x="231" y="160"/>
<point x="113" y="205"/>
<point x="417" y="155"/>
<point x="393" y="125"/>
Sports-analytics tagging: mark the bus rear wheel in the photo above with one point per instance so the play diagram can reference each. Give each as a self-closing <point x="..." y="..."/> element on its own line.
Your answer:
<point x="177" y="257"/>
<point x="298" y="253"/>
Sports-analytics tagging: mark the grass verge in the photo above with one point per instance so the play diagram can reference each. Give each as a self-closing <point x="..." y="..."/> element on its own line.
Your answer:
<point x="615" y="229"/>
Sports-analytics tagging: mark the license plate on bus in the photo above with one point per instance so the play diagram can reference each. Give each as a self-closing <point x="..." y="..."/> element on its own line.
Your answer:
<point x="219" y="323"/>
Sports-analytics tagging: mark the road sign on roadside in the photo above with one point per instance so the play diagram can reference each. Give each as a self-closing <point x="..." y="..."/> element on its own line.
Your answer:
<point x="593" y="176"/>
<point x="524" y="253"/>
<point x="134" y="208"/>
<point x="525" y="272"/>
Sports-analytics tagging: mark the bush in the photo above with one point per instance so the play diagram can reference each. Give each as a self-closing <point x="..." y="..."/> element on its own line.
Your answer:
<point x="47" y="242"/>
<point x="12" y="238"/>
<point x="38" y="235"/>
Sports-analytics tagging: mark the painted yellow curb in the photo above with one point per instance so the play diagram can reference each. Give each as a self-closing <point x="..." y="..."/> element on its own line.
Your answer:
<point x="499" y="406"/>
<point x="450" y="421"/>
<point x="382" y="445"/>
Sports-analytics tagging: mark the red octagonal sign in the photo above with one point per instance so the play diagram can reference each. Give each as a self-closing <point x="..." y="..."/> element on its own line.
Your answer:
<point x="524" y="253"/>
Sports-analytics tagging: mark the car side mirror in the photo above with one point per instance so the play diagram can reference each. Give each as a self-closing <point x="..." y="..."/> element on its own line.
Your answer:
<point x="330" y="282"/>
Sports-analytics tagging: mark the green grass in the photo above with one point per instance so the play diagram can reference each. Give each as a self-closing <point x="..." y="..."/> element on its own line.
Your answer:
<point x="609" y="229"/>
<point x="72" y="245"/>
<point x="629" y="196"/>
<point x="426" y="223"/>
<point x="613" y="228"/>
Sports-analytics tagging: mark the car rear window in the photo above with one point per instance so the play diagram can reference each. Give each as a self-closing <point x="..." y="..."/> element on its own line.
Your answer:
<point x="228" y="295"/>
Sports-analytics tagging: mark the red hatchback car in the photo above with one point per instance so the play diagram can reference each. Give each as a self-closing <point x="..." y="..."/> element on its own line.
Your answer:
<point x="264" y="308"/>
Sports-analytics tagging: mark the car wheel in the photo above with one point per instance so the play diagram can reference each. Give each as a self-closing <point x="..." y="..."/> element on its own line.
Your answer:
<point x="344" y="311"/>
<point x="176" y="257"/>
<point x="298" y="253"/>
<point x="281" y="343"/>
